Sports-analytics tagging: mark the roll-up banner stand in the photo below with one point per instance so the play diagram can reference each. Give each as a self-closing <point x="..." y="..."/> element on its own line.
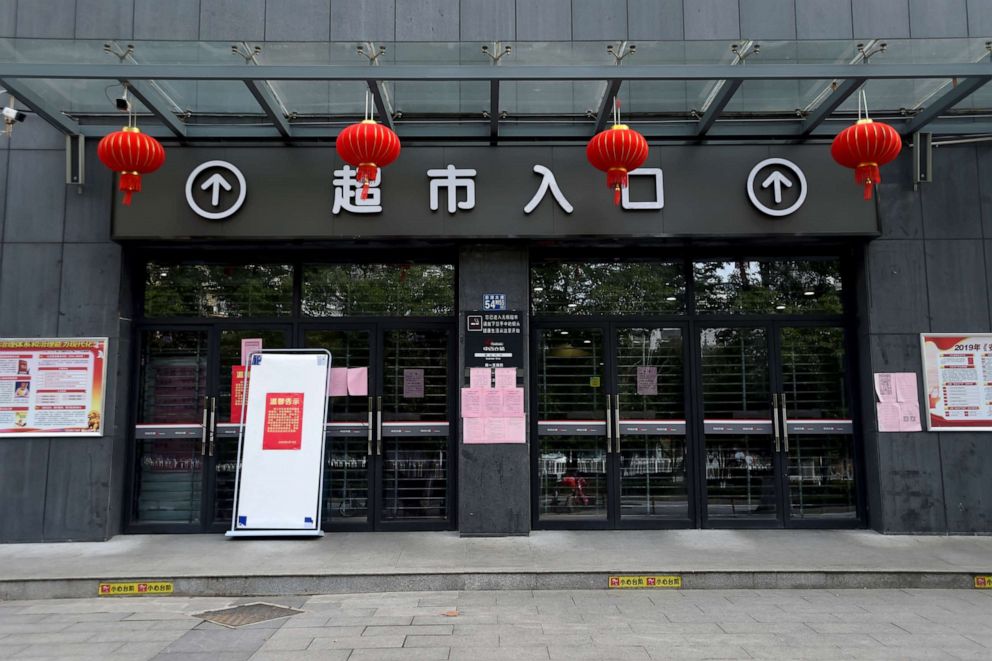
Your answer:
<point x="280" y="453"/>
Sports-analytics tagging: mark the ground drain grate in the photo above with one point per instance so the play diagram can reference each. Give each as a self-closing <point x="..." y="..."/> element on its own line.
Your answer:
<point x="239" y="616"/>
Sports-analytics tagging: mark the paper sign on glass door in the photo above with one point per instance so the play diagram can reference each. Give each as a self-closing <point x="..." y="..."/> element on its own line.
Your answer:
<point x="506" y="377"/>
<point x="480" y="377"/>
<point x="413" y="383"/>
<point x="647" y="380"/>
<point x="339" y="382"/>
<point x="513" y="402"/>
<point x="472" y="402"/>
<point x="358" y="381"/>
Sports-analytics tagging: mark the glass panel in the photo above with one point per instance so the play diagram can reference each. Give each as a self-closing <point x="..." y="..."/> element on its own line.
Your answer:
<point x="218" y="290"/>
<point x="169" y="481"/>
<point x="173" y="377"/>
<point x="339" y="290"/>
<point x="415" y="388"/>
<point x="346" y="479"/>
<point x="226" y="448"/>
<point x="821" y="466"/>
<point x="571" y="387"/>
<point x="651" y="388"/>
<point x="621" y="288"/>
<point x="740" y="473"/>
<point x="766" y="286"/>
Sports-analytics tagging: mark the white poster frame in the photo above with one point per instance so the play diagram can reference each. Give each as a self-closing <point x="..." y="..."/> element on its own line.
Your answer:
<point x="928" y="385"/>
<point x="245" y="531"/>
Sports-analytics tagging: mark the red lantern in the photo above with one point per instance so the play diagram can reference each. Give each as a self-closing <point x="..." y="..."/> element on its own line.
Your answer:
<point x="132" y="153"/>
<point x="864" y="147"/>
<point x="367" y="146"/>
<point x="617" y="151"/>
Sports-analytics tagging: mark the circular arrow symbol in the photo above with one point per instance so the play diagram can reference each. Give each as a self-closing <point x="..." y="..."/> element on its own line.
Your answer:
<point x="215" y="183"/>
<point x="777" y="181"/>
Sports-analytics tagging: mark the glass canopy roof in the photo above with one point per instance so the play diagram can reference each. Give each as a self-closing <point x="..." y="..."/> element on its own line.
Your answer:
<point x="524" y="91"/>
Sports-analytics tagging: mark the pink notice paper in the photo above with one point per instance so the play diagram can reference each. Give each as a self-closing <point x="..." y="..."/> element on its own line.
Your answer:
<point x="472" y="402"/>
<point x="506" y="377"/>
<point x="906" y="387"/>
<point x="516" y="430"/>
<point x="910" y="416"/>
<point x="513" y="402"/>
<point x="495" y="430"/>
<point x="474" y="430"/>
<point x="358" y="381"/>
<point x="413" y="383"/>
<point x="480" y="377"/>
<point x="885" y="388"/>
<point x="339" y="382"/>
<point x="647" y="380"/>
<point x="250" y="345"/>
<point x="889" y="416"/>
<point x="492" y="403"/>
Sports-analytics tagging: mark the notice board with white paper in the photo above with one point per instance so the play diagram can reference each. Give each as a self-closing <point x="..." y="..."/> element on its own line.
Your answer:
<point x="280" y="456"/>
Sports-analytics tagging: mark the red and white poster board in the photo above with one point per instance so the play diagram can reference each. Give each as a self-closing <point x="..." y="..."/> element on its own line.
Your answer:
<point x="280" y="456"/>
<point x="957" y="379"/>
<point x="52" y="386"/>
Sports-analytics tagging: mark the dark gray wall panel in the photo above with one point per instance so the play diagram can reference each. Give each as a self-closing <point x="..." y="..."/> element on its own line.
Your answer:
<point x="896" y="353"/>
<point x="91" y="282"/>
<point x="116" y="425"/>
<point x="427" y="20"/>
<point x="768" y="19"/>
<point x="712" y="19"/>
<point x="979" y="18"/>
<point x="297" y="20"/>
<point x="900" y="211"/>
<point x="3" y="188"/>
<point x="221" y="20"/>
<point x="548" y="20"/>
<point x="897" y="281"/>
<point x="23" y="471"/>
<point x="930" y="20"/>
<point x="655" y="19"/>
<point x="176" y="19"/>
<point x="8" y="18"/>
<point x="29" y="289"/>
<point x="45" y="18"/>
<point x="912" y="500"/>
<point x="87" y="212"/>
<point x="78" y="489"/>
<point x="955" y="272"/>
<point x="985" y="189"/>
<point x="881" y="18"/>
<point x="966" y="461"/>
<point x="824" y="19"/>
<point x="104" y="19"/>
<point x="488" y="20"/>
<point x="371" y="20"/>
<point x="951" y="205"/>
<point x="34" y="133"/>
<point x="493" y="480"/>
<point x="35" y="198"/>
<point x="594" y="19"/>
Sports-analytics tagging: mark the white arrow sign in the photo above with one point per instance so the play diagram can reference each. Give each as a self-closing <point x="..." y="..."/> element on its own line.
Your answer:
<point x="217" y="182"/>
<point x="776" y="179"/>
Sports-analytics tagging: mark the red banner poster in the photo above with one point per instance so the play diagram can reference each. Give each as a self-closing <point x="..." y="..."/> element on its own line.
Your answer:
<point x="283" y="421"/>
<point x="237" y="393"/>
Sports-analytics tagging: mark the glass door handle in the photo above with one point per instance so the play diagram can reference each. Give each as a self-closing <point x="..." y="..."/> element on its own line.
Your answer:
<point x="370" y="428"/>
<point x="203" y="436"/>
<point x="609" y="424"/>
<point x="785" y="426"/>
<point x="212" y="434"/>
<point x="775" y="426"/>
<point x="378" y="424"/>
<point x="616" y="422"/>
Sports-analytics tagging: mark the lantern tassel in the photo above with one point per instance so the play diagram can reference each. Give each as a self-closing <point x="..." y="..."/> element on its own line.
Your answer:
<point x="868" y="175"/>
<point x="616" y="178"/>
<point x="366" y="174"/>
<point x="130" y="183"/>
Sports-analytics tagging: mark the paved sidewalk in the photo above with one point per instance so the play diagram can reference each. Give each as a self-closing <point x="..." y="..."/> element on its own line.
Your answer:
<point x="518" y="625"/>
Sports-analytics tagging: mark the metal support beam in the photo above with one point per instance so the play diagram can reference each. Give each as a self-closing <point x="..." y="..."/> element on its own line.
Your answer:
<point x="142" y="91"/>
<point x="950" y="99"/>
<point x="606" y="104"/>
<point x="493" y="112"/>
<point x="51" y="115"/>
<point x="381" y="107"/>
<point x="829" y="105"/>
<point x="260" y="90"/>
<point x="716" y="107"/>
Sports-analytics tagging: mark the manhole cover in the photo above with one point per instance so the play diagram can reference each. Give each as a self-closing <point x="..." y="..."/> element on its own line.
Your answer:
<point x="239" y="616"/>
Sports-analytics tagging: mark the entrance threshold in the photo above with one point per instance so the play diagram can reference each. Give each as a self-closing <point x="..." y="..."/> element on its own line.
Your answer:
<point x="201" y="565"/>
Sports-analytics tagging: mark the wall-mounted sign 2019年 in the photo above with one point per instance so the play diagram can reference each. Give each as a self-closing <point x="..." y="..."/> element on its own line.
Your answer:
<point x="52" y="386"/>
<point x="957" y="377"/>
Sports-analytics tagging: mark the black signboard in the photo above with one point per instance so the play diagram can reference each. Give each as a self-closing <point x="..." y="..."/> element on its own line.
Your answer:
<point x="494" y="339"/>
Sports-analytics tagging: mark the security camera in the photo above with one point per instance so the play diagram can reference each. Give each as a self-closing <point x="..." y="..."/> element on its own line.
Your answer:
<point x="123" y="104"/>
<point x="13" y="115"/>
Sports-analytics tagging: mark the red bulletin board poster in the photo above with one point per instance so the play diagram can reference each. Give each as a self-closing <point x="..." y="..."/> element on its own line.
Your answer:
<point x="237" y="392"/>
<point x="52" y="386"/>
<point x="283" y="421"/>
<point x="957" y="377"/>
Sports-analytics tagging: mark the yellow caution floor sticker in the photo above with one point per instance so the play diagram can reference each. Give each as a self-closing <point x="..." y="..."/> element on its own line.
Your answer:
<point x="983" y="582"/>
<point x="139" y="588"/>
<point x="645" y="582"/>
